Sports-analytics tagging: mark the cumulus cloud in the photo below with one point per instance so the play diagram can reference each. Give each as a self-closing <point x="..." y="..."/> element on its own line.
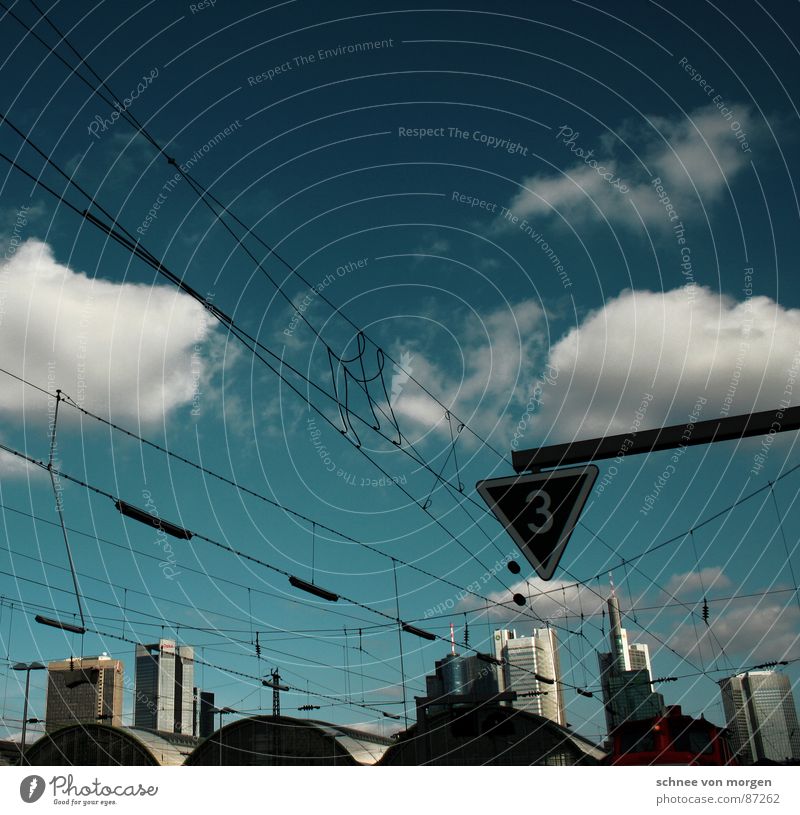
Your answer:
<point x="751" y="631"/>
<point x="11" y="466"/>
<point x="695" y="157"/>
<point x="664" y="351"/>
<point x="494" y="359"/>
<point x="692" y="583"/>
<point x="132" y="350"/>
<point x="550" y="602"/>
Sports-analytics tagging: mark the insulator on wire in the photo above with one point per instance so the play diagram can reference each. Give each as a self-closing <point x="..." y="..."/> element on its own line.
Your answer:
<point x="705" y="611"/>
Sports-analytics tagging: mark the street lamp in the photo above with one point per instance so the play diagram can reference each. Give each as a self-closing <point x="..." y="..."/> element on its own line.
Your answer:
<point x="27" y="667"/>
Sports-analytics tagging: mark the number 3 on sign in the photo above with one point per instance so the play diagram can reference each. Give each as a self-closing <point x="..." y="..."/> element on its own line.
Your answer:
<point x="543" y="510"/>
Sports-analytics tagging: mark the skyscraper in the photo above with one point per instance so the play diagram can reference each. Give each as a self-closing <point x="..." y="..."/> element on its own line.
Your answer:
<point x="759" y="708"/>
<point x="626" y="676"/>
<point x="82" y="690"/>
<point x="527" y="658"/>
<point x="639" y="657"/>
<point x="164" y="687"/>
<point x="204" y="708"/>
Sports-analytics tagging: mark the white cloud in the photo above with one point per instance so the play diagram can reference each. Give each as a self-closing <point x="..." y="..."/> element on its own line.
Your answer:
<point x="676" y="348"/>
<point x="488" y="369"/>
<point x="134" y="351"/>
<point x="691" y="583"/>
<point x="549" y="602"/>
<point x="11" y="466"/>
<point x="751" y="631"/>
<point x="696" y="157"/>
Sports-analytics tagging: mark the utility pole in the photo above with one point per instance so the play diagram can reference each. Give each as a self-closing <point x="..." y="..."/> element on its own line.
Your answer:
<point x="275" y="683"/>
<point x="27" y="667"/>
<point x="276" y="693"/>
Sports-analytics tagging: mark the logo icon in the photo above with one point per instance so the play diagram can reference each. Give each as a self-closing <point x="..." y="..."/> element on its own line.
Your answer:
<point x="402" y="373"/>
<point x="31" y="789"/>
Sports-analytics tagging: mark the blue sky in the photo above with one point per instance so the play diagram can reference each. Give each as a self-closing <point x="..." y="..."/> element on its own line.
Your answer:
<point x="592" y="206"/>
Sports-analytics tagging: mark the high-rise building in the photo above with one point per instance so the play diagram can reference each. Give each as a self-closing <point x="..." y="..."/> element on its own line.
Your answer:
<point x="532" y="669"/>
<point x="459" y="683"/>
<point x="204" y="708"/>
<point x="82" y="690"/>
<point x="164" y="687"/>
<point x="639" y="657"/>
<point x="626" y="676"/>
<point x="759" y="708"/>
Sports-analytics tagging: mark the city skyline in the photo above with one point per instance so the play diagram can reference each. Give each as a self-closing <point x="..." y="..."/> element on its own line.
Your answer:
<point x="279" y="286"/>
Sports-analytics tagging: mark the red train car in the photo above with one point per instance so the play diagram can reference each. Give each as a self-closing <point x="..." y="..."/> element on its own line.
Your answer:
<point x="671" y="739"/>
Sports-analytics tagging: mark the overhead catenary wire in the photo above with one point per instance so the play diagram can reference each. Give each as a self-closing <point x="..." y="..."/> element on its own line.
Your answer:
<point x="60" y="507"/>
<point x="206" y="195"/>
<point x="133" y="245"/>
<point x="76" y="52"/>
<point x="132" y="119"/>
<point x="231" y="550"/>
<point x="316" y="524"/>
<point x="256" y="348"/>
<point x="159" y="624"/>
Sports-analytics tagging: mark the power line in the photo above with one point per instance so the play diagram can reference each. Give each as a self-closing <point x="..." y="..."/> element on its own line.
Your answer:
<point x="133" y="245"/>
<point x="246" y="490"/>
<point x="140" y="129"/>
<point x="190" y="533"/>
<point x="255" y="347"/>
<point x="205" y="195"/>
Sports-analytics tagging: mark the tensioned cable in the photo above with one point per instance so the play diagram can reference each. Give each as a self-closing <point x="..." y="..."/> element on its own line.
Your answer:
<point x="175" y="625"/>
<point x="230" y="482"/>
<point x="230" y="549"/>
<point x="141" y="129"/>
<point x="205" y="193"/>
<point x="195" y="186"/>
<point x="251" y="343"/>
